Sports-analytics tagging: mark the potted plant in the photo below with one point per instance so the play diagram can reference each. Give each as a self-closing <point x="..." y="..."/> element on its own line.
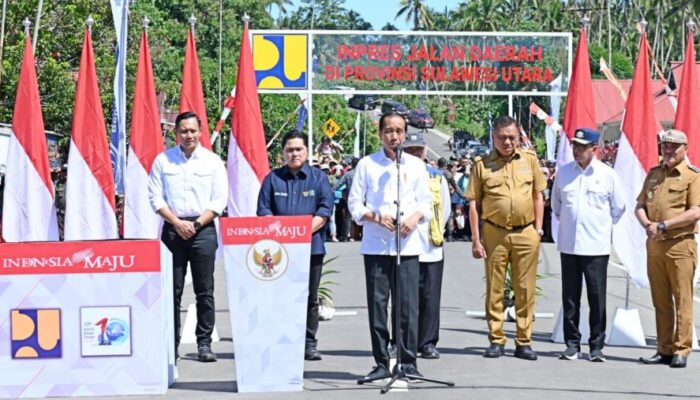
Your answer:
<point x="326" y="308"/>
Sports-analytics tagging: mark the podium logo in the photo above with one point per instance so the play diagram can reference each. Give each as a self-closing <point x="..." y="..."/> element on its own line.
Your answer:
<point x="280" y="61"/>
<point x="105" y="331"/>
<point x="267" y="260"/>
<point x="36" y="333"/>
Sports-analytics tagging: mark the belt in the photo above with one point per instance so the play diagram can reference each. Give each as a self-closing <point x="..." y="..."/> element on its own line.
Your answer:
<point x="509" y="228"/>
<point x="191" y="219"/>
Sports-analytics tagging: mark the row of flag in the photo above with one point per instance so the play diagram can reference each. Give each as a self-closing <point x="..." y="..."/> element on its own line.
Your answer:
<point x="637" y="152"/>
<point x="29" y="208"/>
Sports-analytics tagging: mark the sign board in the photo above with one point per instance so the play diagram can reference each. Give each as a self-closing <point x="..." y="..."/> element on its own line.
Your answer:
<point x="85" y="319"/>
<point x="330" y="128"/>
<point x="267" y="275"/>
<point x="411" y="62"/>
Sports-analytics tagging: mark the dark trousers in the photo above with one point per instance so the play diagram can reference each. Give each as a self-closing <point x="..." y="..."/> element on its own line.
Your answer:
<point x="200" y="252"/>
<point x="430" y="290"/>
<point x="379" y="279"/>
<point x="595" y="271"/>
<point x="313" y="301"/>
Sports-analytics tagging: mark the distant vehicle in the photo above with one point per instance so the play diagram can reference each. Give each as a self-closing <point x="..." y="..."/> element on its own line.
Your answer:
<point x="359" y="101"/>
<point x="394" y="106"/>
<point x="420" y="119"/>
<point x="480" y="151"/>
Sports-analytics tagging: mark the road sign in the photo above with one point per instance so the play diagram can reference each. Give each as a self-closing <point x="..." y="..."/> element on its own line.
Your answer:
<point x="330" y="128"/>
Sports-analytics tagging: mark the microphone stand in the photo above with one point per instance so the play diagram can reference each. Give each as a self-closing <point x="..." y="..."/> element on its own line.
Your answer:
<point x="399" y="371"/>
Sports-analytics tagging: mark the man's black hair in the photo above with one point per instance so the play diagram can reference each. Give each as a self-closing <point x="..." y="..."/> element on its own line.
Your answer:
<point x="293" y="134"/>
<point x="187" y="115"/>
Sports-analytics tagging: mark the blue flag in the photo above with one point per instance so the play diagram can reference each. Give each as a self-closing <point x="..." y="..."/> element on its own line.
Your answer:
<point x="117" y="145"/>
<point x="303" y="112"/>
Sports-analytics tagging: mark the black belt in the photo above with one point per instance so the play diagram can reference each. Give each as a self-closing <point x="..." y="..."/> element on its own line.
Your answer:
<point x="191" y="219"/>
<point x="509" y="228"/>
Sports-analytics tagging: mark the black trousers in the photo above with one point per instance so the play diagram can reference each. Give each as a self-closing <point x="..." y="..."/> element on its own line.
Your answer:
<point x="594" y="269"/>
<point x="430" y="291"/>
<point x="379" y="279"/>
<point x="313" y="301"/>
<point x="200" y="252"/>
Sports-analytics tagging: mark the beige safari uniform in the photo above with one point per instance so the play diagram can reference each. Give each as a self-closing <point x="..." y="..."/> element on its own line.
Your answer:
<point x="505" y="189"/>
<point x="671" y="262"/>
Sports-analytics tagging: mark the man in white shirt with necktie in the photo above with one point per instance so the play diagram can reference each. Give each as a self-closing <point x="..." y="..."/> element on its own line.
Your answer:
<point x="587" y="199"/>
<point x="189" y="189"/>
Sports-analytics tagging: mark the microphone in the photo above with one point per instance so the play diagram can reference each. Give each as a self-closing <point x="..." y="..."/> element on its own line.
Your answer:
<point x="398" y="150"/>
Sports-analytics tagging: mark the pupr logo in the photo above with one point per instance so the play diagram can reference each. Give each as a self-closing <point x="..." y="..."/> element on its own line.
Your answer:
<point x="267" y="260"/>
<point x="36" y="333"/>
<point x="105" y="331"/>
<point x="280" y="61"/>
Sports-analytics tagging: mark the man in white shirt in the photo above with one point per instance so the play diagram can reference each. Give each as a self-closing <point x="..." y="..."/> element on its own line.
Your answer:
<point x="587" y="200"/>
<point x="189" y="189"/>
<point x="373" y="204"/>
<point x="432" y="260"/>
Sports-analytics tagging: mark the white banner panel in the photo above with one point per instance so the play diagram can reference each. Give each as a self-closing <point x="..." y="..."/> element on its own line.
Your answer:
<point x="267" y="274"/>
<point x="85" y="319"/>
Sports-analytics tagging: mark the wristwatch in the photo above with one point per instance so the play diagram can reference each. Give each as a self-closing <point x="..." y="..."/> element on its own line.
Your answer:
<point x="197" y="225"/>
<point x="661" y="226"/>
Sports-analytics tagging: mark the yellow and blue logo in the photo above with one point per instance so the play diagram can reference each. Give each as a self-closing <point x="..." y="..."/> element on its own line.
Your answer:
<point x="36" y="333"/>
<point x="280" y="61"/>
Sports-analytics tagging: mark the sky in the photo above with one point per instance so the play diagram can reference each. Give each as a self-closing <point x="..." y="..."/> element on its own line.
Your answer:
<point x="379" y="12"/>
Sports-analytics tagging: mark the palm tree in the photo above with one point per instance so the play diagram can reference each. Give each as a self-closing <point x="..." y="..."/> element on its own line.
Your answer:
<point x="417" y="11"/>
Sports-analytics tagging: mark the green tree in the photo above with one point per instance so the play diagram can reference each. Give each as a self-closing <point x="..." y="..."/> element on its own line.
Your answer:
<point x="417" y="12"/>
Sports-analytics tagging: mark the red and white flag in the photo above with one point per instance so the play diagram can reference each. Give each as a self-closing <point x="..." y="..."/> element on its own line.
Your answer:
<point x="687" y="118"/>
<point x="636" y="155"/>
<point x="90" y="207"/>
<point x="146" y="142"/>
<point x="29" y="211"/>
<point x="580" y="109"/>
<point x="191" y="94"/>
<point x="247" y="153"/>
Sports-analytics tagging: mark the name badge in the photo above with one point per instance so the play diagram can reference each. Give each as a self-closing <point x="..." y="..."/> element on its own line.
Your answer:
<point x="308" y="193"/>
<point x="281" y="194"/>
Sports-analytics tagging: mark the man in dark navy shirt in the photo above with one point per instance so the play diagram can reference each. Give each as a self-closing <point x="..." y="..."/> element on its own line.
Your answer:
<point x="299" y="189"/>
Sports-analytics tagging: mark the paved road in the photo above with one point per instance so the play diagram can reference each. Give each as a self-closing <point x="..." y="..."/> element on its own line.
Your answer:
<point x="345" y="344"/>
<point x="437" y="143"/>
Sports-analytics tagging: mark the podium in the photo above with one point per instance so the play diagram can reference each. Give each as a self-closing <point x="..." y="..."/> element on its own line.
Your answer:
<point x="85" y="319"/>
<point x="267" y="274"/>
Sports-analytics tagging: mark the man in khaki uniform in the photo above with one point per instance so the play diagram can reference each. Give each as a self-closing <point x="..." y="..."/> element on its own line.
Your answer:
<point x="506" y="193"/>
<point x="669" y="207"/>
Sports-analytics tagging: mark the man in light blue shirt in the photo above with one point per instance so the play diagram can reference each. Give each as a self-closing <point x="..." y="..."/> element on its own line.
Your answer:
<point x="587" y="200"/>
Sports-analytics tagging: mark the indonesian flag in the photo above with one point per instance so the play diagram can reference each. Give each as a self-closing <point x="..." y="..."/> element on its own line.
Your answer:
<point x="29" y="212"/>
<point x="580" y="109"/>
<point x="140" y="222"/>
<point x="191" y="94"/>
<point x="247" y="162"/>
<point x="687" y="118"/>
<point x="636" y="155"/>
<point x="90" y="208"/>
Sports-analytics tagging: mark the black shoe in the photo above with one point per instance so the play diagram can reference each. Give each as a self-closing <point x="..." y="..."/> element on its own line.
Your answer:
<point x="429" y="351"/>
<point x="204" y="354"/>
<point x="571" y="353"/>
<point x="412" y="373"/>
<point x="311" y="354"/>
<point x="596" y="356"/>
<point x="495" y="350"/>
<point x="678" y="361"/>
<point x="657" y="358"/>
<point x="525" y="353"/>
<point x="379" y="372"/>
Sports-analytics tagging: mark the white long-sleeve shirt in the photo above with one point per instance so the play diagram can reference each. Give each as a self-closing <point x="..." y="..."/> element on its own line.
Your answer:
<point x="374" y="188"/>
<point x="188" y="186"/>
<point x="436" y="253"/>
<point x="587" y="203"/>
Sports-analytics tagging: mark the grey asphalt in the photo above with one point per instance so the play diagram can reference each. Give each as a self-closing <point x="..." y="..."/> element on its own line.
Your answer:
<point x="345" y="344"/>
